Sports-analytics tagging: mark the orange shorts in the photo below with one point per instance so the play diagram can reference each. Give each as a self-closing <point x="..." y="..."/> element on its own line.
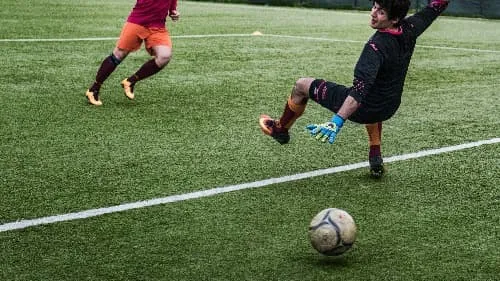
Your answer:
<point x="133" y="34"/>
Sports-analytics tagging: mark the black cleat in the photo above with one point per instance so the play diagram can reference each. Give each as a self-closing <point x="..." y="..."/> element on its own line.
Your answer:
<point x="377" y="169"/>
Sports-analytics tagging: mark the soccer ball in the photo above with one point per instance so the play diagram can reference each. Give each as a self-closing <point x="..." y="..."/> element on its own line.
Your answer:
<point x="332" y="232"/>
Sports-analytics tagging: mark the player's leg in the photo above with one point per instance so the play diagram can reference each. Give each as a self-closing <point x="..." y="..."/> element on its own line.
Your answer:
<point x="127" y="43"/>
<point x="294" y="107"/>
<point x="107" y="67"/>
<point x="159" y="45"/>
<point x="375" y="155"/>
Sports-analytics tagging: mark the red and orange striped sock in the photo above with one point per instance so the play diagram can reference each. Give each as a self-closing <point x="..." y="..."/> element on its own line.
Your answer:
<point x="374" y="138"/>
<point x="291" y="112"/>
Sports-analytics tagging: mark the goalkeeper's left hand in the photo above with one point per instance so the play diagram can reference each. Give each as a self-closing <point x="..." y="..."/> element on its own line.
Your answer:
<point x="326" y="131"/>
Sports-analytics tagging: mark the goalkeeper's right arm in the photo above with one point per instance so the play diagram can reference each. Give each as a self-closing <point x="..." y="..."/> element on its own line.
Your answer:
<point x="421" y="20"/>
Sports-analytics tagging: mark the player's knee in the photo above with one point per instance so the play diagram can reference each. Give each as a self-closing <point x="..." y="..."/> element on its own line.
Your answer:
<point x="120" y="54"/>
<point x="163" y="59"/>
<point x="162" y="56"/>
<point x="301" y="88"/>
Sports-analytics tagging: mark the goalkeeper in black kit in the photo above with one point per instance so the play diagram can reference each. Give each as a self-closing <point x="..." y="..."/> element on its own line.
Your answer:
<point x="378" y="81"/>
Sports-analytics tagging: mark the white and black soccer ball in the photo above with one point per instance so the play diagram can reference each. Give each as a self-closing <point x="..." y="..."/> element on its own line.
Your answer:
<point x="332" y="232"/>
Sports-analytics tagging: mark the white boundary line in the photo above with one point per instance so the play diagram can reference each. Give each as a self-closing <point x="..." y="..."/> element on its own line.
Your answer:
<point x="35" y="40"/>
<point x="219" y="190"/>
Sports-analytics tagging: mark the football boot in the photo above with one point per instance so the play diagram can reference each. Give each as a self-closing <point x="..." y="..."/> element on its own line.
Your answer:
<point x="93" y="98"/>
<point x="128" y="88"/>
<point x="272" y="128"/>
<point x="377" y="169"/>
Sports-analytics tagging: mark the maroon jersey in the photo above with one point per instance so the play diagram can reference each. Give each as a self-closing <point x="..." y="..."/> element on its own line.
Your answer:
<point x="151" y="13"/>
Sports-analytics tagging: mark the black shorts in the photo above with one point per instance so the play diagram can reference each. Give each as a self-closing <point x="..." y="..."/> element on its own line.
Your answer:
<point x="331" y="95"/>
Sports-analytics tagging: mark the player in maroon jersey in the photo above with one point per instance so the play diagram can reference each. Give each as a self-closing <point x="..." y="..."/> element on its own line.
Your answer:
<point x="378" y="81"/>
<point x="146" y="23"/>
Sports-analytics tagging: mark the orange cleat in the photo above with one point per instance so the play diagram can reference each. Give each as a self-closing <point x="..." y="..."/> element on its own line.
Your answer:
<point x="128" y="88"/>
<point x="271" y="128"/>
<point x="93" y="98"/>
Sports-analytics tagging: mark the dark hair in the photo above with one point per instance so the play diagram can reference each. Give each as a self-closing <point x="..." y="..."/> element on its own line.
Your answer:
<point x="397" y="9"/>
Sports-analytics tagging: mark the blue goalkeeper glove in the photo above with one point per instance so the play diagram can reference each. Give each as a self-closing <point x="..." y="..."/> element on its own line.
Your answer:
<point x="326" y="131"/>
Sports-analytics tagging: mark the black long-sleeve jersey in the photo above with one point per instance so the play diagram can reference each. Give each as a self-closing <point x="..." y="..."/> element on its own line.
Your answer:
<point x="381" y="70"/>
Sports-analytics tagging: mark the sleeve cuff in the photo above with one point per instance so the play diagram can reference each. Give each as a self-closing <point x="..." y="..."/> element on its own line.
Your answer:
<point x="339" y="121"/>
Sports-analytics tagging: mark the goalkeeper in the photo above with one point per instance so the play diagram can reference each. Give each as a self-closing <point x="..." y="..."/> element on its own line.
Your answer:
<point x="378" y="81"/>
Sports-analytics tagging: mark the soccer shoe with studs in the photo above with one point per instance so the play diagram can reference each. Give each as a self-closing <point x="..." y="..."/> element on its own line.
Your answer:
<point x="377" y="169"/>
<point x="269" y="127"/>
<point x="93" y="98"/>
<point x="128" y="89"/>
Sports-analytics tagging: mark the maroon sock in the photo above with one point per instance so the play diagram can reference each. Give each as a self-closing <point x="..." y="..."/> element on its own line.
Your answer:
<point x="374" y="150"/>
<point x="147" y="69"/>
<point x="108" y="65"/>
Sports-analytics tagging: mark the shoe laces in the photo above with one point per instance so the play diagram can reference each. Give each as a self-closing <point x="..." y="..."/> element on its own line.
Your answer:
<point x="270" y="123"/>
<point x="376" y="161"/>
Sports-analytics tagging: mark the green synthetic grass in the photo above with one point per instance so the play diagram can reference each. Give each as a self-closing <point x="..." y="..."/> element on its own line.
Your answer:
<point x="194" y="127"/>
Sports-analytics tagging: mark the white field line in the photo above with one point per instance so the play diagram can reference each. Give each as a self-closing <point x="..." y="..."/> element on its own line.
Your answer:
<point x="219" y="190"/>
<point x="35" y="40"/>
